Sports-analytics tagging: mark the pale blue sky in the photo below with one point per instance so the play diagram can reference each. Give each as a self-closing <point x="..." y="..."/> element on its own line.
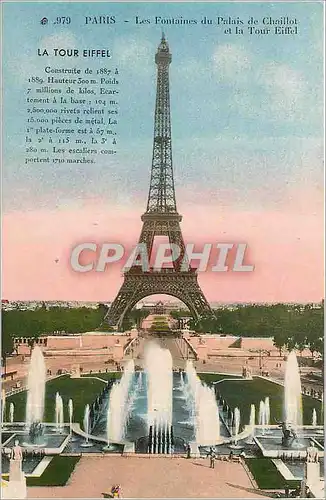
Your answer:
<point x="247" y="111"/>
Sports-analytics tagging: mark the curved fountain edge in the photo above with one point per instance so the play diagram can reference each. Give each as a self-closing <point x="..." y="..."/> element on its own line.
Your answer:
<point x="75" y="427"/>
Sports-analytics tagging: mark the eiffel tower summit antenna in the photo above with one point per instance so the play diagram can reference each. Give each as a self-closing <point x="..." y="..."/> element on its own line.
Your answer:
<point x="161" y="218"/>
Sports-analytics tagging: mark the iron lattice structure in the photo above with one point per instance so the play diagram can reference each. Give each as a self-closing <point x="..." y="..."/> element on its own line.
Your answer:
<point x="161" y="219"/>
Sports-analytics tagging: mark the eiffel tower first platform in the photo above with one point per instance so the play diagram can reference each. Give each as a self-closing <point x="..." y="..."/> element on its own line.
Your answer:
<point x="160" y="219"/>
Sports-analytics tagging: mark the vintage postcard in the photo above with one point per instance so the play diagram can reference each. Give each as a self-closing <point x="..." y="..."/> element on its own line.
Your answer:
<point x="163" y="209"/>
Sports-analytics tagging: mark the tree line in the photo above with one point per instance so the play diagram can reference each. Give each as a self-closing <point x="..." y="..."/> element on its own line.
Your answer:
<point x="291" y="326"/>
<point x="33" y="323"/>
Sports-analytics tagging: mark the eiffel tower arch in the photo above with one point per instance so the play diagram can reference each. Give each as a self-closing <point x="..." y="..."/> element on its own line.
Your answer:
<point x="138" y="285"/>
<point x="161" y="219"/>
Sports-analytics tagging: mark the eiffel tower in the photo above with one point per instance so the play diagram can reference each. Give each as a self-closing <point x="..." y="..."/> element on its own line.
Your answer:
<point x="161" y="219"/>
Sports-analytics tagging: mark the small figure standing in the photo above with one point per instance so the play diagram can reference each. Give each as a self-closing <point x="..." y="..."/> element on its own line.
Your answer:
<point x="188" y="451"/>
<point x="212" y="457"/>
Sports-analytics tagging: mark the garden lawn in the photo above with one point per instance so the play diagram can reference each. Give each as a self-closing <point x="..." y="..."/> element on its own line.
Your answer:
<point x="81" y="390"/>
<point x="267" y="475"/>
<point x="57" y="472"/>
<point x="243" y="393"/>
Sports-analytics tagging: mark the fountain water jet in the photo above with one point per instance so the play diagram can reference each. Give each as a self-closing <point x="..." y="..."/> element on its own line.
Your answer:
<point x="262" y="416"/>
<point x="58" y="413"/>
<point x="267" y="411"/>
<point x="292" y="392"/>
<point x="267" y="415"/>
<point x="191" y="389"/>
<point x="119" y="405"/>
<point x="236" y="422"/>
<point x="208" y="428"/>
<point x="61" y="417"/>
<point x="321" y="431"/>
<point x="203" y="408"/>
<point x="35" y="388"/>
<point x="314" y="417"/>
<point x="70" y="412"/>
<point x="252" y="416"/>
<point x="3" y="408"/>
<point x="252" y="422"/>
<point x="192" y="386"/>
<point x="236" y="428"/>
<point x="158" y="365"/>
<point x="11" y="412"/>
<point x="86" y="422"/>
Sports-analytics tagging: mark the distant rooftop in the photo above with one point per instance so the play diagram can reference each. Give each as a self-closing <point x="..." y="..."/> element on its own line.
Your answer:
<point x="8" y="305"/>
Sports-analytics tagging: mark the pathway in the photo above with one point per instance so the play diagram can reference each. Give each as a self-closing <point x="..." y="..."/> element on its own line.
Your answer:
<point x="171" y="344"/>
<point x="167" y="343"/>
<point x="155" y="477"/>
